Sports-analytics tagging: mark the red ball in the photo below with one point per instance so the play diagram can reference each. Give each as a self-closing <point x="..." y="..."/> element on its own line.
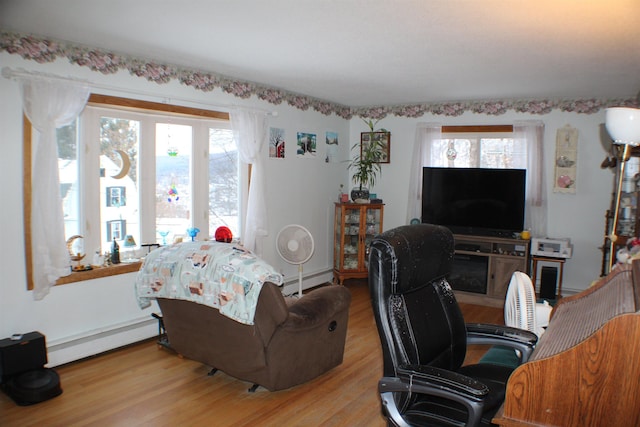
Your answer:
<point x="223" y="234"/>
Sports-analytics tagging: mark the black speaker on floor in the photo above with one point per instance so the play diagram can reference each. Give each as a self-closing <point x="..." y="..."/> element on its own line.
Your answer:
<point x="22" y="373"/>
<point x="548" y="281"/>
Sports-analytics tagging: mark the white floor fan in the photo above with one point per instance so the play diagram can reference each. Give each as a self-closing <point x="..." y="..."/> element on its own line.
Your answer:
<point x="520" y="307"/>
<point x="295" y="245"/>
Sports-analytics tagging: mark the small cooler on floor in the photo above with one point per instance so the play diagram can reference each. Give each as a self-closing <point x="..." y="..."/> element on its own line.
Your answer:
<point x="22" y="373"/>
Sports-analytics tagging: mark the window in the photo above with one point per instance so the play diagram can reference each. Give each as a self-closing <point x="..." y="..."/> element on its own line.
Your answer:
<point x="517" y="146"/>
<point x="151" y="171"/>
<point x="116" y="230"/>
<point x="480" y="147"/>
<point x="116" y="196"/>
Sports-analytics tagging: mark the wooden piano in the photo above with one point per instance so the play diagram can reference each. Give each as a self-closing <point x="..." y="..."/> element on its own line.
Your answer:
<point x="585" y="370"/>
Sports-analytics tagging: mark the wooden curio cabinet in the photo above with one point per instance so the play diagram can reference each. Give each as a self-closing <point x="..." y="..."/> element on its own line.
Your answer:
<point x="354" y="227"/>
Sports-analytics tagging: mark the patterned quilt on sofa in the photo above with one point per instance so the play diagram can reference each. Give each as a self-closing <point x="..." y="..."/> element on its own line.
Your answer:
<point x="220" y="275"/>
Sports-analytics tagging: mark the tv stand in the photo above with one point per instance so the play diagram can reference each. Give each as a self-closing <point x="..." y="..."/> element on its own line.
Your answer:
<point x="483" y="266"/>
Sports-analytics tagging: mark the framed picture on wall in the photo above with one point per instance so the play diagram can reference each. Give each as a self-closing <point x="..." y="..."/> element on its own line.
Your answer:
<point x="383" y="139"/>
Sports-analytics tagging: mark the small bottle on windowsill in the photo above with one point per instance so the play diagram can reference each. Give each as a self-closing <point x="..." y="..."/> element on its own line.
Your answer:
<point x="115" y="252"/>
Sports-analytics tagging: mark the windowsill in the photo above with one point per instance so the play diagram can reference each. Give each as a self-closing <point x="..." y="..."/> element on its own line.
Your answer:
<point x="96" y="273"/>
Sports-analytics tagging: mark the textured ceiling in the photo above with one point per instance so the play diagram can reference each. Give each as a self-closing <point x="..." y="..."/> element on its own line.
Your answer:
<point x="368" y="52"/>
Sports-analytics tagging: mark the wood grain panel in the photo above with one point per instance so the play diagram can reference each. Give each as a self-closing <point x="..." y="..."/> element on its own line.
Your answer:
<point x="581" y="386"/>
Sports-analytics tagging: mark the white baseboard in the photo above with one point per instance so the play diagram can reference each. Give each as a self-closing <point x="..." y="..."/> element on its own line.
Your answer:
<point x="94" y="342"/>
<point x="309" y="281"/>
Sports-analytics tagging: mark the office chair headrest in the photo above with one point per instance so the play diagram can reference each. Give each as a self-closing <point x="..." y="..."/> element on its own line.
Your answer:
<point x="417" y="254"/>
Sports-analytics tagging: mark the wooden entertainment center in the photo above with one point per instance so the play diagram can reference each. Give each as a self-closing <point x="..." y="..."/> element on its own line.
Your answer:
<point x="483" y="266"/>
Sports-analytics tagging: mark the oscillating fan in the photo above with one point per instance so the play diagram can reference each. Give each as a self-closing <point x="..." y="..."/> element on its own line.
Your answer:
<point x="520" y="307"/>
<point x="295" y="245"/>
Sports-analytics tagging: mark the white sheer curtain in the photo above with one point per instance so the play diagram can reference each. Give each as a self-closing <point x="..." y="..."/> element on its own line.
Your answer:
<point x="426" y="133"/>
<point x="49" y="104"/>
<point x="250" y="133"/>
<point x="532" y="133"/>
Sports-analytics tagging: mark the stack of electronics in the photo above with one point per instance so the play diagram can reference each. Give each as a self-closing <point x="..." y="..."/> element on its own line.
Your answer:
<point x="548" y="248"/>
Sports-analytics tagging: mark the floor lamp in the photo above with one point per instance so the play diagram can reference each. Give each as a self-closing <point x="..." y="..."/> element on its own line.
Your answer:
<point x="623" y="124"/>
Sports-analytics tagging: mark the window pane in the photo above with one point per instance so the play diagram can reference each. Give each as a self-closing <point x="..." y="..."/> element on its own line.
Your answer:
<point x="68" y="173"/>
<point x="119" y="199"/>
<point x="223" y="181"/>
<point x="173" y="181"/>
<point x="502" y="153"/>
<point x="458" y="153"/>
<point x="480" y="152"/>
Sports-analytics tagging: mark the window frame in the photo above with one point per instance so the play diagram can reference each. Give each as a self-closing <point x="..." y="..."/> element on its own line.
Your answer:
<point x="97" y="100"/>
<point x="478" y="129"/>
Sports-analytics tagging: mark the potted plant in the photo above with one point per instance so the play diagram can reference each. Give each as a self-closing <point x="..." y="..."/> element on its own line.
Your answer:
<point x="366" y="163"/>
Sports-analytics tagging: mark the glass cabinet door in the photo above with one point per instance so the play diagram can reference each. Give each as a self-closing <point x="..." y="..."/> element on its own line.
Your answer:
<point x="352" y="247"/>
<point x="627" y="216"/>
<point x="355" y="226"/>
<point x="338" y="228"/>
<point x="373" y="225"/>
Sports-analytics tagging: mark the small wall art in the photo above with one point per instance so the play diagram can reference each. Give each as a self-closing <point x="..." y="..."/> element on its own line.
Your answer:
<point x="306" y="144"/>
<point x="566" y="160"/>
<point x="276" y="143"/>
<point x="331" y="140"/>
<point x="383" y="138"/>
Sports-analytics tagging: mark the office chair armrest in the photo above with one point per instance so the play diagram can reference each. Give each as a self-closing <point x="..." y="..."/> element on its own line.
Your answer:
<point x="491" y="331"/>
<point x="436" y="381"/>
<point x="518" y="339"/>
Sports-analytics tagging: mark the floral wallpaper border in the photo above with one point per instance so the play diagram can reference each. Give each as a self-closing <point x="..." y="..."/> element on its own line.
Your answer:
<point x="44" y="50"/>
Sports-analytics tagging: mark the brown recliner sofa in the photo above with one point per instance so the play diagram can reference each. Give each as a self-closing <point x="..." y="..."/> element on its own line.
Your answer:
<point x="290" y="342"/>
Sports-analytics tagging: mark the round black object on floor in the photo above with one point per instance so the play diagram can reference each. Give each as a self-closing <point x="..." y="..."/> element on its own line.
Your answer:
<point x="33" y="386"/>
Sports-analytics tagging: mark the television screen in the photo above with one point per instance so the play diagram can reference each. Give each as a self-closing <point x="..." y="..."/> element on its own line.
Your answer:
<point x="475" y="201"/>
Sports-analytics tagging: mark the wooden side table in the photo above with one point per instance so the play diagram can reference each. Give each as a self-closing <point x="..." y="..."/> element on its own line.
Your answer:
<point x="534" y="271"/>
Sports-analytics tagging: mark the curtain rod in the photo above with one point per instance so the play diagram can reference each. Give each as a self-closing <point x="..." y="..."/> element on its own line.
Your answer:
<point x="12" y="74"/>
<point x="15" y="74"/>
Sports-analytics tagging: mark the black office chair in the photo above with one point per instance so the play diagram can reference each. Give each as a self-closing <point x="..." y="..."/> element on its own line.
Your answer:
<point x="424" y="336"/>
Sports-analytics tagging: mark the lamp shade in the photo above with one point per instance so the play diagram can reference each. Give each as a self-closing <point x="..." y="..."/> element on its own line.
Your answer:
<point x="129" y="241"/>
<point x="623" y="124"/>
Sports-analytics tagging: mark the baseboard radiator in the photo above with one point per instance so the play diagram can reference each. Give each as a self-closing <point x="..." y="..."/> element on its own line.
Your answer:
<point x="98" y="341"/>
<point x="309" y="281"/>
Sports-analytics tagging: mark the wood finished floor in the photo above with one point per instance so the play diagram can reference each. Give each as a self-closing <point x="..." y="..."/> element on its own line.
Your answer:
<point x="142" y="385"/>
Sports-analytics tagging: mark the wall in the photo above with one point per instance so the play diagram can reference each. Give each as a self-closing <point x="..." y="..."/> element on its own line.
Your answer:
<point x="85" y="318"/>
<point x="579" y="216"/>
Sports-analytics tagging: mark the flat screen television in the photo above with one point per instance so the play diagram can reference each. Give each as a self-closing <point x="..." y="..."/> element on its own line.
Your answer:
<point x="475" y="201"/>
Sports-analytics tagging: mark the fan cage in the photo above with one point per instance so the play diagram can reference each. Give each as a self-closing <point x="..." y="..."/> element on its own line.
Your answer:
<point x="295" y="244"/>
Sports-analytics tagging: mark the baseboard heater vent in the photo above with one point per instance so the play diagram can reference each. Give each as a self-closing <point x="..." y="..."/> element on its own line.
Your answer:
<point x="96" y="341"/>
